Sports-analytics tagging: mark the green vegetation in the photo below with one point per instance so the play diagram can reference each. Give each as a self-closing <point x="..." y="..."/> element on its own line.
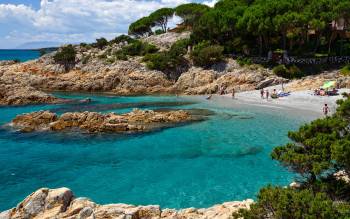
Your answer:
<point x="121" y="39"/>
<point x="143" y="26"/>
<point x="345" y="70"/>
<point x="276" y="202"/>
<point x="290" y="72"/>
<point x="136" y="48"/>
<point x="171" y="62"/>
<point x="100" y="43"/>
<point x="254" y="27"/>
<point x="65" y="56"/>
<point x="190" y="13"/>
<point x="244" y="61"/>
<point x="160" y="18"/>
<point x="320" y="149"/>
<point x="206" y="55"/>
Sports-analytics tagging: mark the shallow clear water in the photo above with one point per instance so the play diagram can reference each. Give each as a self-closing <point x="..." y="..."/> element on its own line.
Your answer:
<point x="21" y="55"/>
<point x="222" y="159"/>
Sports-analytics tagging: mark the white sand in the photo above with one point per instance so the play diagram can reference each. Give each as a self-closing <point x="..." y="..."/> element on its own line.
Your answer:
<point x="299" y="100"/>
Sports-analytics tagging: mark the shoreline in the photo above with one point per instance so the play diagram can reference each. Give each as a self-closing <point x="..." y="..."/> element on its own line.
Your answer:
<point x="302" y="101"/>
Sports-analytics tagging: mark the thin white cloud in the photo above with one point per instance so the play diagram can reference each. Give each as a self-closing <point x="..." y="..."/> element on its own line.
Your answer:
<point x="75" y="20"/>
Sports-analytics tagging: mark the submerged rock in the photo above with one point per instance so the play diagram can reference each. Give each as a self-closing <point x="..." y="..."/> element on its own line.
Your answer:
<point x="61" y="203"/>
<point x="135" y="121"/>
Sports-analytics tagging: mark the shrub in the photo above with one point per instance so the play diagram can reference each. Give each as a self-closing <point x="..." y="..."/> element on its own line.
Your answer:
<point x="101" y="43"/>
<point x="291" y="72"/>
<point x="276" y="202"/>
<point x="206" y="55"/>
<point x="65" y="56"/>
<point x="244" y="61"/>
<point x="158" y="61"/>
<point x="120" y="56"/>
<point x="280" y="70"/>
<point x="179" y="48"/>
<point x="163" y="61"/>
<point x="345" y="70"/>
<point x="158" y="32"/>
<point x="139" y="48"/>
<point x="122" y="38"/>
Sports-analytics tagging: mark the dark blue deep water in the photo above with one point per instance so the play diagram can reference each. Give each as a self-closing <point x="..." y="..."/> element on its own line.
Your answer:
<point x="222" y="159"/>
<point x="21" y="55"/>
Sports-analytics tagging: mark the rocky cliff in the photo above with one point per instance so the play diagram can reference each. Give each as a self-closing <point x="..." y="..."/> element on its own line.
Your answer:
<point x="60" y="203"/>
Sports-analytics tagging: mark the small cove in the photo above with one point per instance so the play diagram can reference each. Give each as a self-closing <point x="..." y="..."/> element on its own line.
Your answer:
<point x="224" y="158"/>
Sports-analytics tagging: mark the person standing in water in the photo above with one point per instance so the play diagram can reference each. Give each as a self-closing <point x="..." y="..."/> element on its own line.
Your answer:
<point x="267" y="94"/>
<point x="233" y="93"/>
<point x="262" y="93"/>
<point x="326" y="110"/>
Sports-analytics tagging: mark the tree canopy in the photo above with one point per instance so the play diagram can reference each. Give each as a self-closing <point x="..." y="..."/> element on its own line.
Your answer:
<point x="161" y="16"/>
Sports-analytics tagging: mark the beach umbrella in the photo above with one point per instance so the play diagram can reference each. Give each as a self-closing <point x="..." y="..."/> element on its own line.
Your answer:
<point x="328" y="84"/>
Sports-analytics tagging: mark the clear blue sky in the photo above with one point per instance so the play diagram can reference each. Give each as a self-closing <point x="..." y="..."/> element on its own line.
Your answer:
<point x="71" y="21"/>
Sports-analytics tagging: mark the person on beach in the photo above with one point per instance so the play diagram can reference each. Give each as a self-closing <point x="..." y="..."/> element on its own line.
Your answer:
<point x="233" y="93"/>
<point x="326" y="110"/>
<point x="262" y="93"/>
<point x="267" y="94"/>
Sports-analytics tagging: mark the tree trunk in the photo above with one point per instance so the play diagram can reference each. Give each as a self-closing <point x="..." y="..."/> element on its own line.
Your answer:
<point x="284" y="36"/>
<point x="260" y="45"/>
<point x="318" y="36"/>
<point x="330" y="42"/>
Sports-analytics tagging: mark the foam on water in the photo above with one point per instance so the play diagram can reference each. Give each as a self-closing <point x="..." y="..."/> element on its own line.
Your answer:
<point x="222" y="159"/>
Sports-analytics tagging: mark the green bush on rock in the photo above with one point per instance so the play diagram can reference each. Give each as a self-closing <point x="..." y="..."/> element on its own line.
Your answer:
<point x="345" y="70"/>
<point x="170" y="62"/>
<point x="100" y="43"/>
<point x="65" y="56"/>
<point x="290" y="72"/>
<point x="277" y="202"/>
<point x="205" y="55"/>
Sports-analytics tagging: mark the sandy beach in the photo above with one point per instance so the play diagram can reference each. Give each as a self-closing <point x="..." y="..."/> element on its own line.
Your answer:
<point x="298" y="100"/>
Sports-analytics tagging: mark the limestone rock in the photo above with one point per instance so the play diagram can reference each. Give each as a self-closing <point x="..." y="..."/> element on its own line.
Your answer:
<point x="61" y="203"/>
<point x="135" y="121"/>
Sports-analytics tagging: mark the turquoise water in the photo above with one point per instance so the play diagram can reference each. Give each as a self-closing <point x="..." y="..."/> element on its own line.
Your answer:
<point x="21" y="55"/>
<point x="222" y="159"/>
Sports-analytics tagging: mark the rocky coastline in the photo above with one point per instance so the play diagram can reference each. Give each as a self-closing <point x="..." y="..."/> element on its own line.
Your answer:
<point x="24" y="83"/>
<point x="135" y="121"/>
<point x="61" y="203"/>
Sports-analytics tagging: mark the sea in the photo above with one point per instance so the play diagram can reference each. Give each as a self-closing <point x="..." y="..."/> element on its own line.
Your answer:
<point x="224" y="158"/>
<point x="19" y="55"/>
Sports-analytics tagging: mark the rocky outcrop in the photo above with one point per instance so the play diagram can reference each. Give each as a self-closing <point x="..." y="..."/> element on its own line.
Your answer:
<point x="313" y="82"/>
<point x="231" y="76"/>
<point x="19" y="94"/>
<point x="164" y="41"/>
<point x="135" y="121"/>
<point x="61" y="203"/>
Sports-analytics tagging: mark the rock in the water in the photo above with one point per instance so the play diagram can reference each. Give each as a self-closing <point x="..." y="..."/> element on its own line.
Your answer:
<point x="61" y="203"/>
<point x="19" y="94"/>
<point x="135" y="121"/>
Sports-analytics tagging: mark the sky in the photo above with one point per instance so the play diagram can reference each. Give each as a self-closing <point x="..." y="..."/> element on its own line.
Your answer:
<point x="72" y="21"/>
